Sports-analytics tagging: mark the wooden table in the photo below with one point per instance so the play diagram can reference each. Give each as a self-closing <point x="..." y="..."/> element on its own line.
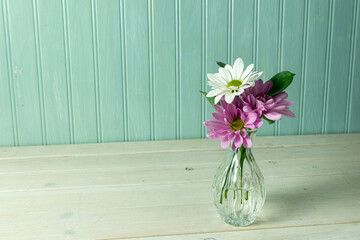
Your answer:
<point x="162" y="190"/>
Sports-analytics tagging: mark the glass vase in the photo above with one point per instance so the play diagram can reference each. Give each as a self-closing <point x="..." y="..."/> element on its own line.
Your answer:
<point x="238" y="187"/>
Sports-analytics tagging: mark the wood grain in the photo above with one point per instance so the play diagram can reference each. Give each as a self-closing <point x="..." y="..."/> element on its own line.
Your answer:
<point x="24" y="72"/>
<point x="53" y="72"/>
<point x="190" y="69"/>
<point x="82" y="71"/>
<point x="138" y="69"/>
<point x="322" y="232"/>
<point x="110" y="71"/>
<point x="91" y="71"/>
<point x="169" y="146"/>
<point x="291" y="60"/>
<point x="336" y="120"/>
<point x="164" y="191"/>
<point x="267" y="57"/>
<point x="7" y="127"/>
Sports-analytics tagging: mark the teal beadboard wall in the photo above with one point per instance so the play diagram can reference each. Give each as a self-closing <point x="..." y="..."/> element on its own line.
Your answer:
<point x="81" y="71"/>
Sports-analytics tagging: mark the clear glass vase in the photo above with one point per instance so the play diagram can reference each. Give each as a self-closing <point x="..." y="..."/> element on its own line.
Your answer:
<point x="238" y="187"/>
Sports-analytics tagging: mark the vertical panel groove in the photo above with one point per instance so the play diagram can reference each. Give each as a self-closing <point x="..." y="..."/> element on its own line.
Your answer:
<point x="280" y="50"/>
<point x="124" y="70"/>
<point x="68" y="71"/>
<point x="327" y="22"/>
<point x="179" y="116"/>
<point x="39" y="73"/>
<point x="327" y="66"/>
<point x="232" y="33"/>
<point x="151" y="68"/>
<point x="256" y="33"/>
<point x="229" y="32"/>
<point x="203" y="63"/>
<point x="11" y="76"/>
<point x="352" y="65"/>
<point x="177" y="89"/>
<point x="303" y="67"/>
<point x="94" y="30"/>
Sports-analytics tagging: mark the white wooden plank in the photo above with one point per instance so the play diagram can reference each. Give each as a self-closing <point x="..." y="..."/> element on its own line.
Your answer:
<point x="121" y="194"/>
<point x="168" y="146"/>
<point x="162" y="168"/>
<point x="321" y="232"/>
<point x="105" y="222"/>
<point x="118" y="177"/>
<point x="183" y="159"/>
<point x="167" y="194"/>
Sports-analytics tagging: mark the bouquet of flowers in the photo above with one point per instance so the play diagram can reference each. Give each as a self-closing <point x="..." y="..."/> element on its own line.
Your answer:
<point x="242" y="103"/>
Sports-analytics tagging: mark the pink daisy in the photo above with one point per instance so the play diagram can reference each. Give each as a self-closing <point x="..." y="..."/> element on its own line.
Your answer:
<point x="231" y="123"/>
<point x="255" y="99"/>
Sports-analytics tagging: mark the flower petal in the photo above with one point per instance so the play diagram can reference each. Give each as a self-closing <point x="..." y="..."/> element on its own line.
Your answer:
<point x="232" y="111"/>
<point x="214" y="92"/>
<point x="238" y="140"/>
<point x="225" y="74"/>
<point x="215" y="124"/>
<point x="267" y="87"/>
<point x="239" y="92"/>
<point x="218" y="97"/>
<point x="233" y="147"/>
<point x="218" y="116"/>
<point x="252" y="76"/>
<point x="225" y="142"/>
<point x="231" y="71"/>
<point x="218" y="108"/>
<point x="258" y="123"/>
<point x="247" y="140"/>
<point x="250" y="117"/>
<point x="229" y="97"/>
<point x="279" y="96"/>
<point x="238" y="68"/>
<point x="216" y="135"/>
<point x="217" y="79"/>
<point x="286" y="112"/>
<point x="238" y="103"/>
<point x="247" y="71"/>
<point x="211" y="135"/>
<point x="272" y="115"/>
<point x="223" y="103"/>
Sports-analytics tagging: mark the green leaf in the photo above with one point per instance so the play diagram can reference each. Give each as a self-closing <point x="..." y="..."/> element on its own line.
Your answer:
<point x="280" y="82"/>
<point x="210" y="99"/>
<point x="268" y="120"/>
<point x="221" y="64"/>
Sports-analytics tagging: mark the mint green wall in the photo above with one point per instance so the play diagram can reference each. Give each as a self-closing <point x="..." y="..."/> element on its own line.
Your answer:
<point x="78" y="71"/>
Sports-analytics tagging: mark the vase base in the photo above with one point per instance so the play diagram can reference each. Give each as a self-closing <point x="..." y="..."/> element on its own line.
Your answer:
<point x="239" y="221"/>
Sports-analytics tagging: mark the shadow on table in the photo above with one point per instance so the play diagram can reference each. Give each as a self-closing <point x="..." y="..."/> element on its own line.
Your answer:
<point x="302" y="199"/>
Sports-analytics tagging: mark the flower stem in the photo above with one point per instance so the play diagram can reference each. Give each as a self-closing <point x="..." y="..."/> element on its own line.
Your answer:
<point x="223" y="187"/>
<point x="242" y="158"/>
<point x="224" y="191"/>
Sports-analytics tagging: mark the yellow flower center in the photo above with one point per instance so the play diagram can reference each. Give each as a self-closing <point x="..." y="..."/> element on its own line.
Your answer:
<point x="235" y="83"/>
<point x="237" y="124"/>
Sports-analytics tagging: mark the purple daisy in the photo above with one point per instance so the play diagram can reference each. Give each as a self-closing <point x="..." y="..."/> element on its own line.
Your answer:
<point x="255" y="99"/>
<point x="230" y="123"/>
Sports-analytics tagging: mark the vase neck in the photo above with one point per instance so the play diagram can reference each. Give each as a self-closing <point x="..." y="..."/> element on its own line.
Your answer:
<point x="241" y="151"/>
<point x="252" y="133"/>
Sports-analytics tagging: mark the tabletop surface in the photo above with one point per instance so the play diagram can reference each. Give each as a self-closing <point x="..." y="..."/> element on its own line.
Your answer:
<point x="162" y="190"/>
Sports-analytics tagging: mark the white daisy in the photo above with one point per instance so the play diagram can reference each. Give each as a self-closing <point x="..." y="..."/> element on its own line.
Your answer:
<point x="231" y="81"/>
